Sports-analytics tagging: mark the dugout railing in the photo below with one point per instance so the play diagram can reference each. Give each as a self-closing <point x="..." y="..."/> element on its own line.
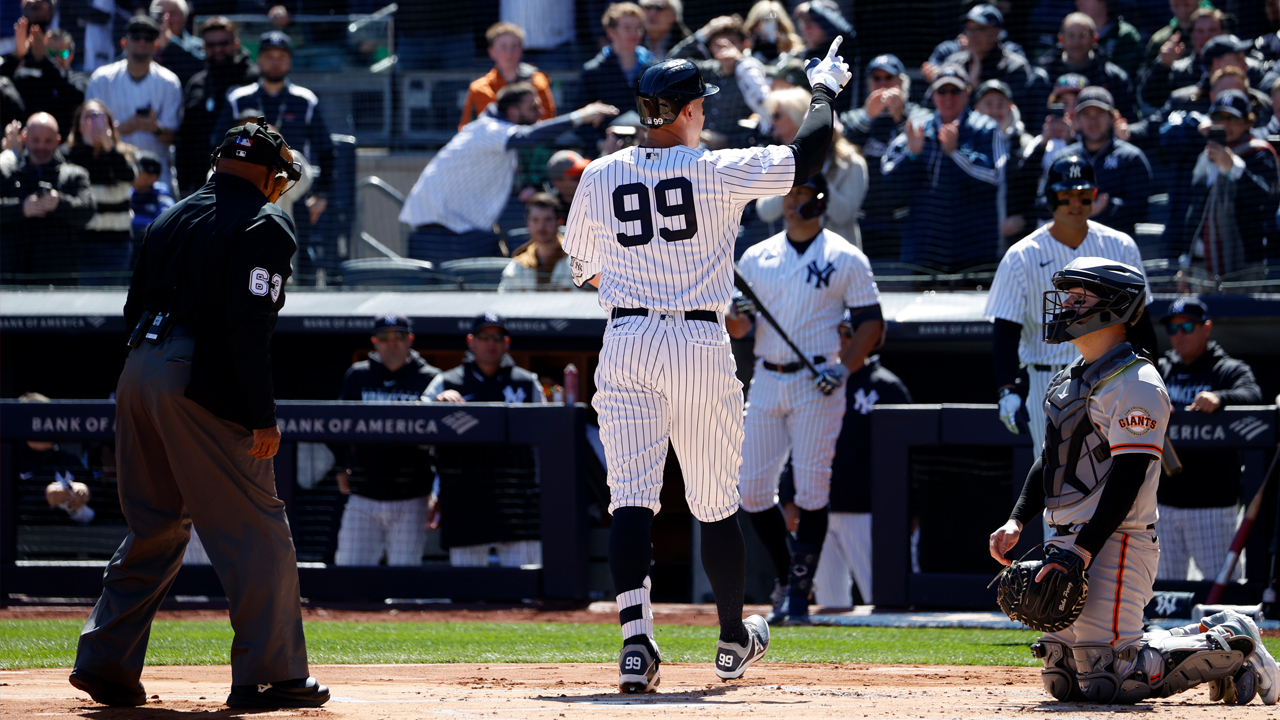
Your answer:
<point x="555" y="431"/>
<point x="914" y="444"/>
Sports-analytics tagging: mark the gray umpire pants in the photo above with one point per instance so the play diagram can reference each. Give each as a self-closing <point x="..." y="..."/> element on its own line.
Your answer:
<point x="174" y="458"/>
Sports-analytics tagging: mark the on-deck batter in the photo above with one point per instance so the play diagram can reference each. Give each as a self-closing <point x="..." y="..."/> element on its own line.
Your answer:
<point x="654" y="227"/>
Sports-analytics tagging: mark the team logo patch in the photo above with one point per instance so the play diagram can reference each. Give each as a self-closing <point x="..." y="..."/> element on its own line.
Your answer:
<point x="241" y="153"/>
<point x="1137" y="421"/>
<point x="819" y="276"/>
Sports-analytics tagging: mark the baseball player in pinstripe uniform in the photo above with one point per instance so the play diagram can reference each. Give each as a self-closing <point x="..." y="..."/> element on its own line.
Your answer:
<point x="1025" y="274"/>
<point x="653" y="227"/>
<point x="805" y="276"/>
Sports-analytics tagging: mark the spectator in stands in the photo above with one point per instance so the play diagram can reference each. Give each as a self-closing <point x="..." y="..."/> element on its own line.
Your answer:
<point x="39" y="78"/>
<point x="1235" y="187"/>
<point x="178" y="50"/>
<point x="506" y="48"/>
<point x="148" y="197"/>
<point x="773" y="37"/>
<point x="1169" y="43"/>
<point x="845" y="169"/>
<point x="1122" y="172"/>
<point x="461" y="193"/>
<point x="611" y="76"/>
<point x="846" y="552"/>
<point x="62" y="51"/>
<point x="45" y="203"/>
<point x="1228" y="74"/>
<point x="46" y="471"/>
<point x="389" y="485"/>
<point x="1057" y="131"/>
<point x="549" y="30"/>
<point x="1266" y="47"/>
<point x="1196" y="523"/>
<point x="1078" y="38"/>
<point x="872" y="127"/>
<point x="1273" y="127"/>
<point x="664" y="26"/>
<point x="1171" y="71"/>
<point x="818" y="23"/>
<point x="952" y="165"/>
<point x="985" y="57"/>
<point x="742" y="82"/>
<point x="540" y="263"/>
<point x="1119" y="41"/>
<point x="489" y="495"/>
<point x="1017" y="194"/>
<point x="106" y="244"/>
<point x="227" y="66"/>
<point x="293" y="110"/>
<point x="145" y="98"/>
<point x="980" y="13"/>
<point x="12" y="109"/>
<point x="564" y="171"/>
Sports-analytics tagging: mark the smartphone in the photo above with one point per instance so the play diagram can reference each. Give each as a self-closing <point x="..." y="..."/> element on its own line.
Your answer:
<point x="1218" y="134"/>
<point x="144" y="110"/>
<point x="46" y="187"/>
<point x="1057" y="110"/>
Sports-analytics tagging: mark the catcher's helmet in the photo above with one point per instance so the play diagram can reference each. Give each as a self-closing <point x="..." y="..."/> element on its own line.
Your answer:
<point x="1069" y="172"/>
<point x="1121" y="290"/>
<point x="666" y="88"/>
<point x="818" y="204"/>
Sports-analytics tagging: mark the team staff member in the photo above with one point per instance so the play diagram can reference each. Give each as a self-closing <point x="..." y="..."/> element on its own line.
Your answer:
<point x="388" y="484"/>
<point x="1095" y="483"/>
<point x="196" y="431"/>
<point x="1198" y="506"/>
<point x="805" y="276"/>
<point x="1025" y="274"/>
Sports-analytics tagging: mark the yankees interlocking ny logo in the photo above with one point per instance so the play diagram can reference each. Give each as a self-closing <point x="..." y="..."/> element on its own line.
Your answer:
<point x="1075" y="171"/>
<point x="865" y="402"/>
<point x="1111" y="163"/>
<point x="1166" y="604"/>
<point x="819" y="276"/>
<point x="513" y="395"/>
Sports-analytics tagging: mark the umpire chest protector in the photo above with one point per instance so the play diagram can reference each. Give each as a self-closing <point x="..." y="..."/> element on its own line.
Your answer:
<point x="1077" y="454"/>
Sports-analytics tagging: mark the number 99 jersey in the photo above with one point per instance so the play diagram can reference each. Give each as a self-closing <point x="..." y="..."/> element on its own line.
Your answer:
<point x="659" y="224"/>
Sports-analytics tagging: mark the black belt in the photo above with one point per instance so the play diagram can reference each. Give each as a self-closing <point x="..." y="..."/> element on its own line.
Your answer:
<point x="1048" y="368"/>
<point x="1060" y="530"/>
<point x="791" y="367"/>
<point x="703" y="315"/>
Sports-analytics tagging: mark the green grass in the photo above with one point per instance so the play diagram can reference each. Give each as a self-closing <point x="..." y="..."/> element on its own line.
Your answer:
<point x="51" y="643"/>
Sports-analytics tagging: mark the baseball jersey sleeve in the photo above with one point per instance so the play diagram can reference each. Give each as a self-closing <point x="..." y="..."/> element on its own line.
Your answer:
<point x="582" y="232"/>
<point x="434" y="388"/>
<point x="1007" y="299"/>
<point x="752" y="173"/>
<point x="1140" y="414"/>
<point x="862" y="290"/>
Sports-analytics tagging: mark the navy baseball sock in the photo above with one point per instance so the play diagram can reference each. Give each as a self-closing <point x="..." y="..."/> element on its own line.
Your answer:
<point x="724" y="560"/>
<point x="804" y="559"/>
<point x="630" y="555"/>
<point x="771" y="527"/>
<point x="813" y="526"/>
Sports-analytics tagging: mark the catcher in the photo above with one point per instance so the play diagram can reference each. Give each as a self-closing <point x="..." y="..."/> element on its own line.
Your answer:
<point x="1096" y="481"/>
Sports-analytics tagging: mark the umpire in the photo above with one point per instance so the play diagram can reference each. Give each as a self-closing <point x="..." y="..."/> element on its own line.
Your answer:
<point x="196" y="431"/>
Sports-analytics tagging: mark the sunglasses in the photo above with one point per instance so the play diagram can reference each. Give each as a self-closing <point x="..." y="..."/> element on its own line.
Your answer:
<point x="947" y="90"/>
<point x="1175" y="328"/>
<point x="63" y="54"/>
<point x="143" y="36"/>
<point x="391" y="335"/>
<point x="490" y="337"/>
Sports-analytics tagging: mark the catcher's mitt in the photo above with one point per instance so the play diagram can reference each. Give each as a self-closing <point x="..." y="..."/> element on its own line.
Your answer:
<point x="1052" y="604"/>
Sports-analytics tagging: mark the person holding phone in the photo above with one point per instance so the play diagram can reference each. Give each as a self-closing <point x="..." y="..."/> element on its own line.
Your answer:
<point x="106" y="244"/>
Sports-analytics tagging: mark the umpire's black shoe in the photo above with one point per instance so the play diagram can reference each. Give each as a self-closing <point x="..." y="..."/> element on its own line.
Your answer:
<point x="107" y="692"/>
<point x="299" y="693"/>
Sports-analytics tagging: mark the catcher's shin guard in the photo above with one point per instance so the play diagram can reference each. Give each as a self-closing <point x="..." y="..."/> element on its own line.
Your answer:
<point x="1176" y="663"/>
<point x="1058" y="676"/>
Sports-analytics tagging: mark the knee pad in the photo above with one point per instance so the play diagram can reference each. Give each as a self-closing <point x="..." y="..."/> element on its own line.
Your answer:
<point x="1058" y="677"/>
<point x="1189" y="660"/>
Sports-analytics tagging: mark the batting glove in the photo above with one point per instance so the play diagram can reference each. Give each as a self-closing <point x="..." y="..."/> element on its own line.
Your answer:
<point x="831" y="70"/>
<point x="743" y="305"/>
<point x="831" y="379"/>
<point x="1010" y="402"/>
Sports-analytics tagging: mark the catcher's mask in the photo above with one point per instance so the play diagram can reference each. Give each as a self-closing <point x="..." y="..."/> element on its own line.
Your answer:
<point x="1121" y="291"/>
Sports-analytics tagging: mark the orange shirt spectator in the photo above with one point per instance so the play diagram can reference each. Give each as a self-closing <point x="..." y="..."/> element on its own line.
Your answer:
<point x="506" y="47"/>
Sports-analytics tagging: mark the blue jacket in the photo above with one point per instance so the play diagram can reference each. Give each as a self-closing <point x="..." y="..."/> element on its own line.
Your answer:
<point x="295" y="112"/>
<point x="1123" y="173"/>
<point x="953" y="222"/>
<point x="880" y="219"/>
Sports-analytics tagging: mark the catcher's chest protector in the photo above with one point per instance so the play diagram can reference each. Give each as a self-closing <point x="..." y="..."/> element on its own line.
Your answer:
<point x="1077" y="455"/>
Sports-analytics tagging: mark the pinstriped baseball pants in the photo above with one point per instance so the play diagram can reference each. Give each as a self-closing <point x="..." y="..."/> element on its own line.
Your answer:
<point x="662" y="378"/>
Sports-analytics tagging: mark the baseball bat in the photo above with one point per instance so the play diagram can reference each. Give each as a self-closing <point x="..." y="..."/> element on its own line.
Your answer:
<point x="742" y="284"/>
<point x="1242" y="536"/>
<point x="1169" y="458"/>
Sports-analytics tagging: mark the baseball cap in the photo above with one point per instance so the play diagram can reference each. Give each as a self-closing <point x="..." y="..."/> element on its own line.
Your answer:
<point x="791" y="70"/>
<point x="1233" y="102"/>
<point x="275" y="39"/>
<point x="994" y="86"/>
<point x="888" y="63"/>
<point x="1192" y="307"/>
<point x="828" y="17"/>
<point x="566" y="162"/>
<point x="1094" y="96"/>
<point x="1070" y="82"/>
<point x="986" y="15"/>
<point x="951" y="74"/>
<point x="1222" y="45"/>
<point x="149" y="162"/>
<point x="391" y="322"/>
<point x="142" y="24"/>
<point x="489" y="319"/>
<point x="254" y="142"/>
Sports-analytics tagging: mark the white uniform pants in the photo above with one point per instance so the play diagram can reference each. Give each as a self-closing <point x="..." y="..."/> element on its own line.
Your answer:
<point x="846" y="557"/>
<point x="1120" y="580"/>
<point x="788" y="416"/>
<point x="663" y="378"/>
<point x="370" y="527"/>
<point x="1200" y="534"/>
<point x="510" y="554"/>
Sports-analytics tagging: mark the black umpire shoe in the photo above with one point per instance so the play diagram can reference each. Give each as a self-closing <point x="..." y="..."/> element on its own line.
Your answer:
<point x="107" y="692"/>
<point x="299" y="693"/>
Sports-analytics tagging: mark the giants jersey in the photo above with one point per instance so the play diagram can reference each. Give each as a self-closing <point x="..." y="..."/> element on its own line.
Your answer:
<point x="1026" y="274"/>
<point x="806" y="294"/>
<point x="659" y="224"/>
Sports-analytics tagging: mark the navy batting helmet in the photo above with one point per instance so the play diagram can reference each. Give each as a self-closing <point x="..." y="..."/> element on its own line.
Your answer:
<point x="666" y="88"/>
<point x="818" y="204"/>
<point x="1069" y="172"/>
